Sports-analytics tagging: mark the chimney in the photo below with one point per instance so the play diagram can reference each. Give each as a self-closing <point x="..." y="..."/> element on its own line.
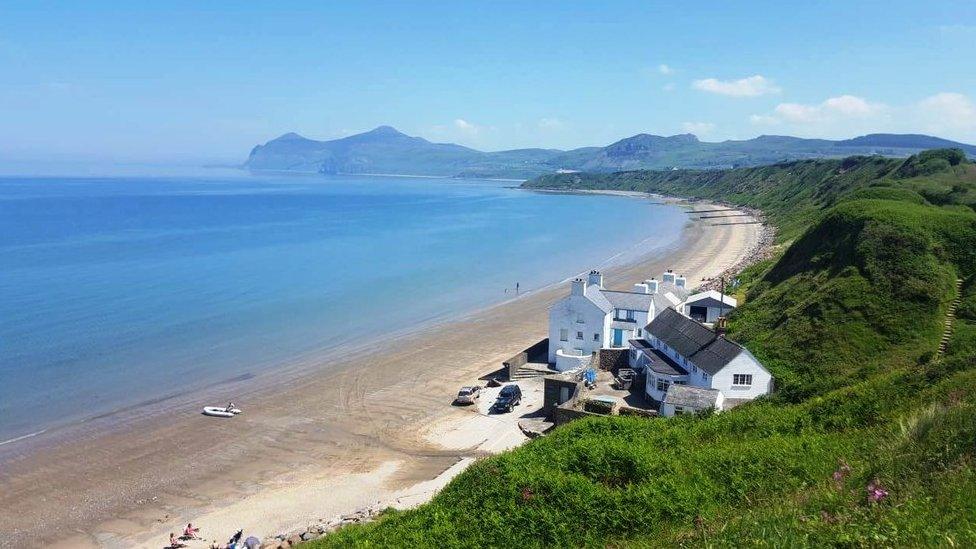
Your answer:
<point x="578" y="286"/>
<point x="720" y="326"/>
<point x="668" y="277"/>
<point x="681" y="281"/>
<point x="641" y="288"/>
<point x="651" y="286"/>
<point x="595" y="279"/>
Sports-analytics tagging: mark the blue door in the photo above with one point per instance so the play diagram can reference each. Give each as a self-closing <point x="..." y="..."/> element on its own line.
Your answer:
<point x="618" y="338"/>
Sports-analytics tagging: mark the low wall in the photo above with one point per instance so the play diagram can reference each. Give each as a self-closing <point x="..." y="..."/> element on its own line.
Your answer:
<point x="513" y="364"/>
<point x="562" y="415"/>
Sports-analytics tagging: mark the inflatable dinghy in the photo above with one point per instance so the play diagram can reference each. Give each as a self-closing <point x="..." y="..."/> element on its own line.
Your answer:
<point x="219" y="412"/>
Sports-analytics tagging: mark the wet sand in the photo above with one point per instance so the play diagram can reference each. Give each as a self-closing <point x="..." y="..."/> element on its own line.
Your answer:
<point x="341" y="431"/>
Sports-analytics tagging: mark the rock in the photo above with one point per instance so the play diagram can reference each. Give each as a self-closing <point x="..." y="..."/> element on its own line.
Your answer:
<point x="309" y="535"/>
<point x="294" y="540"/>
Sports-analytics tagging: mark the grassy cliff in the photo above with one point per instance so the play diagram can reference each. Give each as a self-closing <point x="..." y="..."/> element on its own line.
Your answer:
<point x="870" y="438"/>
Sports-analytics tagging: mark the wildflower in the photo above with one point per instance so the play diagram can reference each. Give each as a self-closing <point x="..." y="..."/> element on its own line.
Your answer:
<point x="876" y="492"/>
<point x="527" y="493"/>
<point x="843" y="469"/>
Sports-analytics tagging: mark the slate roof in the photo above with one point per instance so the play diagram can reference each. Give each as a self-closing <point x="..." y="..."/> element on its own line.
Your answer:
<point x="695" y="342"/>
<point x="692" y="397"/>
<point x="629" y="300"/>
<point x="667" y="295"/>
<point x="712" y="298"/>
<point x="595" y="294"/>
<point x="657" y="361"/>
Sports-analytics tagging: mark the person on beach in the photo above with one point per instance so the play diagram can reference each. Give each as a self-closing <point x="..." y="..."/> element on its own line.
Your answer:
<point x="190" y="532"/>
<point x="236" y="537"/>
<point x="175" y="543"/>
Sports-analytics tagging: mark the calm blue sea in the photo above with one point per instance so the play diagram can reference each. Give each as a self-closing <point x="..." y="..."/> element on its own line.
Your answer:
<point x="118" y="290"/>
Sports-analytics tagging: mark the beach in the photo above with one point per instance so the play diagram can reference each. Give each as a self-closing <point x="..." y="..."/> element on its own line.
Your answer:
<point x="374" y="428"/>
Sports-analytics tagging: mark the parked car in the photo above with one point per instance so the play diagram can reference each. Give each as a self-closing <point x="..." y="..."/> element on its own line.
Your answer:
<point x="468" y="395"/>
<point x="508" y="398"/>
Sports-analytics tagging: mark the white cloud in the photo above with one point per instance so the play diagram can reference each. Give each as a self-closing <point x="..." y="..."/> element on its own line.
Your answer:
<point x="764" y="120"/>
<point x="698" y="128"/>
<point x="947" y="112"/>
<point x="832" y="109"/>
<point x="466" y="126"/>
<point x="665" y="69"/>
<point x="668" y="87"/>
<point x="752" y="86"/>
<point x="550" y="123"/>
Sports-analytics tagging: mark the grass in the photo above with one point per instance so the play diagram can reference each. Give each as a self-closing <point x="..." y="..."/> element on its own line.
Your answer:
<point x="848" y="318"/>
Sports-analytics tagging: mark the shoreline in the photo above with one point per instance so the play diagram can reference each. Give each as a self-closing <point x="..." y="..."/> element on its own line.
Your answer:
<point x="315" y="432"/>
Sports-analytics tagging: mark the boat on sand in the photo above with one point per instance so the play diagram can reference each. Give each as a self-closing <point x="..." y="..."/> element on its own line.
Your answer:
<point x="220" y="411"/>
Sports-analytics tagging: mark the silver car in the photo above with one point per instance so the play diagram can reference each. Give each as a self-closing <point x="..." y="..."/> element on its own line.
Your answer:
<point x="468" y="395"/>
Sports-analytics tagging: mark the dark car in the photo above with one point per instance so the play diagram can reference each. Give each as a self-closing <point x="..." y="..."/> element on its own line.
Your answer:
<point x="509" y="398"/>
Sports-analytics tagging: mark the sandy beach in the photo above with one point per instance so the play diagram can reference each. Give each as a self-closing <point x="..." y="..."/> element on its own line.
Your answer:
<point x="375" y="427"/>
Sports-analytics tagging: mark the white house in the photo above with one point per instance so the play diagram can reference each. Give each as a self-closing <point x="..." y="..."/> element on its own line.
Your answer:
<point x="707" y="306"/>
<point x="678" y="351"/>
<point x="592" y="317"/>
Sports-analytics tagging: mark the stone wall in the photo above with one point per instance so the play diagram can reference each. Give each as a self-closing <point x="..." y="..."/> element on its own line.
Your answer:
<point x="563" y="415"/>
<point x="613" y="359"/>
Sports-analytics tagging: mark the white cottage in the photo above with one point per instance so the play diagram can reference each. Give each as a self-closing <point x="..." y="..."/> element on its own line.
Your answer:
<point x="593" y="318"/>
<point x="678" y="351"/>
<point x="707" y="306"/>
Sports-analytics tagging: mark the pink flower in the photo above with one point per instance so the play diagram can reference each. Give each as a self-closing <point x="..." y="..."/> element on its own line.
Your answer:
<point x="841" y="473"/>
<point x="876" y="492"/>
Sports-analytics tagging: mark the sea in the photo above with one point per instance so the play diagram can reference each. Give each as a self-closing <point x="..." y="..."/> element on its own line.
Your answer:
<point x="115" y="290"/>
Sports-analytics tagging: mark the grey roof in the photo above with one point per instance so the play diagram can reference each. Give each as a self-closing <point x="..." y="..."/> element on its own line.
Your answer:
<point x="637" y="301"/>
<point x="657" y="361"/>
<point x="710" y="302"/>
<point x="629" y="300"/>
<point x="695" y="342"/>
<point x="595" y="294"/>
<point x="693" y="397"/>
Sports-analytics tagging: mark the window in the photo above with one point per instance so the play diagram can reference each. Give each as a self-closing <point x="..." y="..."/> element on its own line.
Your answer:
<point x="742" y="379"/>
<point x="680" y="382"/>
<point x="579" y="318"/>
<point x="630" y="315"/>
<point x="563" y="334"/>
<point x="638" y="332"/>
<point x="662" y="384"/>
<point x="678" y="410"/>
<point x="596" y="337"/>
<point x="579" y="335"/>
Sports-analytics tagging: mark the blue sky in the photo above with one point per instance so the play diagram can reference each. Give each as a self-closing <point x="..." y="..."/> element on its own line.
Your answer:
<point x="205" y="81"/>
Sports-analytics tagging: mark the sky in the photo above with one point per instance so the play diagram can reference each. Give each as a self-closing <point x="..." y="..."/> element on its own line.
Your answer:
<point x="186" y="82"/>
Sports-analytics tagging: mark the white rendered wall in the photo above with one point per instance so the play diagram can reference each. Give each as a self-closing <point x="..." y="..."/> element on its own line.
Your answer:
<point x="745" y="363"/>
<point x="563" y="315"/>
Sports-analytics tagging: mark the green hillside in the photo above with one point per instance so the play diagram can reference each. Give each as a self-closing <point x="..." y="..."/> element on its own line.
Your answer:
<point x="870" y="438"/>
<point x="793" y="194"/>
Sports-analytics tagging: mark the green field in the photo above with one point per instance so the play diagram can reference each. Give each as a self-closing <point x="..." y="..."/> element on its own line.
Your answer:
<point x="848" y="317"/>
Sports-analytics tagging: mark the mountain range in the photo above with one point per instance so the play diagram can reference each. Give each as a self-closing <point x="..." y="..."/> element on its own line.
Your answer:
<point x="386" y="150"/>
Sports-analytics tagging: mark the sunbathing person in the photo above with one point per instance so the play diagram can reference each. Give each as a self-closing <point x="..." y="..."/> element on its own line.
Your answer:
<point x="190" y="532"/>
<point x="175" y="543"/>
